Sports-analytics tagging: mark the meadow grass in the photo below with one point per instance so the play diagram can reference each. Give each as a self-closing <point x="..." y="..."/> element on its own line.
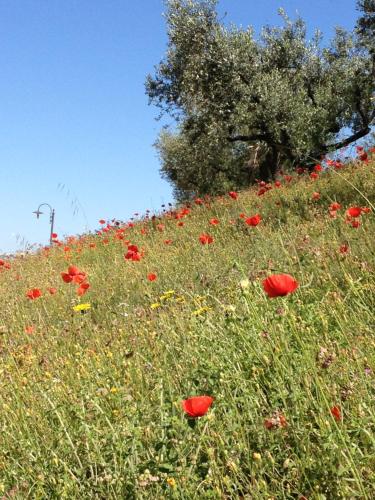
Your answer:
<point x="91" y="401"/>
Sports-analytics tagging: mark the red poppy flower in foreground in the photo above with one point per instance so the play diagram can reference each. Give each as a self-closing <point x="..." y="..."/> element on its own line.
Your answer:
<point x="214" y="222"/>
<point x="73" y="270"/>
<point x="133" y="253"/>
<point x="336" y="413"/>
<point x="197" y="406"/>
<point x="316" y="196"/>
<point x="151" y="277"/>
<point x="73" y="274"/>
<point x="34" y="293"/>
<point x="233" y="195"/>
<point x="66" y="277"/>
<point x="279" y="285"/>
<point x="79" y="278"/>
<point x="82" y="289"/>
<point x="254" y="220"/>
<point x="354" y="211"/>
<point x="205" y="239"/>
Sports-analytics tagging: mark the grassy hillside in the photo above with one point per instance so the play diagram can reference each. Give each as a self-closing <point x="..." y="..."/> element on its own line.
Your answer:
<point x="91" y="399"/>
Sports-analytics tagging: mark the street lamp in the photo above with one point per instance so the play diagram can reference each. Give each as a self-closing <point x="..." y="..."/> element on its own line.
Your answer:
<point x="51" y="217"/>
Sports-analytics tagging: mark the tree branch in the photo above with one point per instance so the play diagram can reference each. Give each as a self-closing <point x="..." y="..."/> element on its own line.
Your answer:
<point x="338" y="145"/>
<point x="248" y="138"/>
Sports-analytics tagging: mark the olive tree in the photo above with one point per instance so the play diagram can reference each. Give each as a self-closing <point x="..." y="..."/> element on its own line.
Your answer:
<point x="242" y="107"/>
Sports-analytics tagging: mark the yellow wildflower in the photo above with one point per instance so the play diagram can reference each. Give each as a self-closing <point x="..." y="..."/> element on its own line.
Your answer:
<point x="172" y="482"/>
<point x="82" y="307"/>
<point x="201" y="310"/>
<point x="156" y="305"/>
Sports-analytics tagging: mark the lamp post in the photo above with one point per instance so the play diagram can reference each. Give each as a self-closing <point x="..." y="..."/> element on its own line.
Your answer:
<point x="51" y="217"/>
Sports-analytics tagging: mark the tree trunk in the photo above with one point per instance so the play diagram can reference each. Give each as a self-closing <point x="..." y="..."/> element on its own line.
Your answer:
<point x="269" y="164"/>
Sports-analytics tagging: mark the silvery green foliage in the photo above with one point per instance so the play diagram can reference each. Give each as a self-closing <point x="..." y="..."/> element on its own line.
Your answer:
<point x="229" y="93"/>
<point x="366" y="24"/>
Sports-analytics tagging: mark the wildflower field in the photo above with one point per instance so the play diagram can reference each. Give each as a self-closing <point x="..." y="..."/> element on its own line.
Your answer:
<point x="223" y="349"/>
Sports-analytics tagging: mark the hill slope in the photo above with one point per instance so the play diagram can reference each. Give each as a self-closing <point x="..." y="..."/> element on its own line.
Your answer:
<point x="91" y="398"/>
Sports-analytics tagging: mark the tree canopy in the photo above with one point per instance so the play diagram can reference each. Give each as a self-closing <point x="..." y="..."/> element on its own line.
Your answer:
<point x="243" y="106"/>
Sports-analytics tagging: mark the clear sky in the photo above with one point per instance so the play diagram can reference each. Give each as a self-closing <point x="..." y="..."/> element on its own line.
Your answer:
<point x="76" y="130"/>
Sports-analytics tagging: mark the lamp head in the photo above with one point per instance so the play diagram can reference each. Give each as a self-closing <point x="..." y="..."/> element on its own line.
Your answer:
<point x="37" y="213"/>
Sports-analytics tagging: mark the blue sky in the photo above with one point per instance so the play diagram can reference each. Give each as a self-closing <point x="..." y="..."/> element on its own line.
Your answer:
<point x="76" y="130"/>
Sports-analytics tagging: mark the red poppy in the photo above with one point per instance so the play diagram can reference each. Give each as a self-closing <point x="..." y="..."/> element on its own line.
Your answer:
<point x="73" y="270"/>
<point x="354" y="211"/>
<point x="366" y="210"/>
<point x="335" y="206"/>
<point x="318" y="168"/>
<point x="54" y="235"/>
<point x="82" y="289"/>
<point x="34" y="293"/>
<point x="314" y="175"/>
<point x="277" y="184"/>
<point x="316" y="196"/>
<point x="261" y="191"/>
<point x="29" y="329"/>
<point x="79" y="278"/>
<point x="205" y="239"/>
<point x="151" y="277"/>
<point x="233" y="195"/>
<point x="52" y="290"/>
<point x="67" y="278"/>
<point x="355" y="223"/>
<point x="214" y="222"/>
<point x="197" y="406"/>
<point x="279" y="285"/>
<point x="300" y="170"/>
<point x="254" y="220"/>
<point x="344" y="249"/>
<point x="131" y="255"/>
<point x="167" y="242"/>
<point x="363" y="157"/>
<point x="336" y="413"/>
<point x="198" y="201"/>
<point x="180" y="224"/>
<point x="102" y="221"/>
<point x="276" y="421"/>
